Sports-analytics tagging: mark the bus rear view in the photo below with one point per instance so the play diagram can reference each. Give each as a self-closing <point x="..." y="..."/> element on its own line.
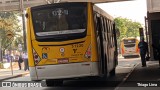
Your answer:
<point x="129" y="47"/>
<point x="62" y="42"/>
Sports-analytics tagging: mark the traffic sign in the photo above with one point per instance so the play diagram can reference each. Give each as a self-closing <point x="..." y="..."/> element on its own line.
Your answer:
<point x="9" y="34"/>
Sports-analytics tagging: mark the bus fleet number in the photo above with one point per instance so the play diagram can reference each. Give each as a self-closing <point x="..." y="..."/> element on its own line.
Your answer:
<point x="77" y="45"/>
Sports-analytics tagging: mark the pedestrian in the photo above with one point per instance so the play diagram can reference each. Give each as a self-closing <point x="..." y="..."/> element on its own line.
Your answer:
<point x="8" y="58"/>
<point x="143" y="46"/>
<point x="25" y="59"/>
<point x="20" y="60"/>
<point x="158" y="52"/>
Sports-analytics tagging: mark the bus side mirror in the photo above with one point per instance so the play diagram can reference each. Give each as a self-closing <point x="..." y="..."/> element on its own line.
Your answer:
<point x="26" y="15"/>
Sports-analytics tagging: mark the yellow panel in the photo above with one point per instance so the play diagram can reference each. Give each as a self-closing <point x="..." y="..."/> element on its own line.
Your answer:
<point x="93" y="34"/>
<point x="72" y="52"/>
<point x="29" y="45"/>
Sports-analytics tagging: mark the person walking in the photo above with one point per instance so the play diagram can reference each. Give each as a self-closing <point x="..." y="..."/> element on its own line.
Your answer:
<point x="143" y="46"/>
<point x="8" y="58"/>
<point x="20" y="60"/>
<point x="25" y="59"/>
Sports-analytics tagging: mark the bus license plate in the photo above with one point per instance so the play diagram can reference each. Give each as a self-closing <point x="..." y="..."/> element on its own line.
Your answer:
<point x="63" y="60"/>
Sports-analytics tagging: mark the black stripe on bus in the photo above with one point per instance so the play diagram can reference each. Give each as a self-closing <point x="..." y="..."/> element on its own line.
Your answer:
<point x="63" y="44"/>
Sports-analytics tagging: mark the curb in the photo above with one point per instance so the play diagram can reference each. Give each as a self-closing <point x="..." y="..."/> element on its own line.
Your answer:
<point x="14" y="76"/>
<point x="126" y="77"/>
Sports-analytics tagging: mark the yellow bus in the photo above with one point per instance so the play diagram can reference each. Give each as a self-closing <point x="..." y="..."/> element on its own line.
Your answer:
<point x="70" y="40"/>
<point x="129" y="47"/>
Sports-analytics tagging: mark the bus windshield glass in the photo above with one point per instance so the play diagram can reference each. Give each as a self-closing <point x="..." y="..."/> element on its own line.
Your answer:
<point x="129" y="41"/>
<point x="60" y="21"/>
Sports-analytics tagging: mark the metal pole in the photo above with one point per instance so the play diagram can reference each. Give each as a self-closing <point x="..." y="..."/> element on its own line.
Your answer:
<point x="141" y="33"/>
<point x="1" y="51"/>
<point x="24" y="32"/>
<point x="23" y="22"/>
<point x="10" y="59"/>
<point x="1" y="55"/>
<point x="146" y="32"/>
<point x="11" y="66"/>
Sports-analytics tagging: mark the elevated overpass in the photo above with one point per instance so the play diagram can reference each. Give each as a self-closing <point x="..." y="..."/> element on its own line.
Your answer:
<point x="18" y="5"/>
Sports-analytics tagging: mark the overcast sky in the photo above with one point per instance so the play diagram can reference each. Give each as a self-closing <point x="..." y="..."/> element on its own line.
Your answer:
<point x="135" y="10"/>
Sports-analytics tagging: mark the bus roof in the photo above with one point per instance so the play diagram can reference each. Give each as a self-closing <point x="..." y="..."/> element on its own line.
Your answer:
<point x="96" y="8"/>
<point x="102" y="12"/>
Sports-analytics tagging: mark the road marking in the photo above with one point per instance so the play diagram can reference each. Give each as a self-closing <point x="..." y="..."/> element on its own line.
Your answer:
<point x="126" y="77"/>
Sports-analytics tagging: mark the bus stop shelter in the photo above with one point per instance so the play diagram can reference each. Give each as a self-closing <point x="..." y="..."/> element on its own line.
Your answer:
<point x="21" y="5"/>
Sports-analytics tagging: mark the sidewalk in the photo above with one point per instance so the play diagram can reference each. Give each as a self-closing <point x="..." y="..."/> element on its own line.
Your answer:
<point x="142" y="76"/>
<point x="7" y="73"/>
<point x="149" y="73"/>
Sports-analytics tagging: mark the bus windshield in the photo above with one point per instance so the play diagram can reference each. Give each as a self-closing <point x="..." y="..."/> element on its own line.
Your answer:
<point x="129" y="41"/>
<point x="60" y="22"/>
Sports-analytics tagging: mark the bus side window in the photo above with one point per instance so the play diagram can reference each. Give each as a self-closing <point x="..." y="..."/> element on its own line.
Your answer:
<point x="97" y="24"/>
<point x="109" y="36"/>
<point x="106" y="20"/>
<point x="112" y="35"/>
<point x="103" y="28"/>
<point x="104" y="25"/>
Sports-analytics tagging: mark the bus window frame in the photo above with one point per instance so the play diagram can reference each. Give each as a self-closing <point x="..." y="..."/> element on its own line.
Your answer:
<point x="55" y="38"/>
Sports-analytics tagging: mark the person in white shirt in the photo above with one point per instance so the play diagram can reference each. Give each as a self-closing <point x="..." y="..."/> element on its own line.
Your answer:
<point x="25" y="59"/>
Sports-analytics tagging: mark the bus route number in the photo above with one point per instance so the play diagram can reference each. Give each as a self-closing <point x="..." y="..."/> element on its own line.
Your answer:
<point x="77" y="45"/>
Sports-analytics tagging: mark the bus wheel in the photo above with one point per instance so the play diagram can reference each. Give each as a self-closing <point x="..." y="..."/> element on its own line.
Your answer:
<point x="113" y="72"/>
<point x="104" y="78"/>
<point x="49" y="83"/>
<point x="52" y="83"/>
<point x="58" y="83"/>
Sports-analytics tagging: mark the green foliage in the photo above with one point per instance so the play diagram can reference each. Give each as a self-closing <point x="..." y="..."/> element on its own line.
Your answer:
<point x="1" y="65"/>
<point x="10" y="21"/>
<point x="127" y="27"/>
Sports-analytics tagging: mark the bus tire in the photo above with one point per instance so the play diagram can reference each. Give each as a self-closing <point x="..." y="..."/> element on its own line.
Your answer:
<point x="113" y="72"/>
<point x="58" y="83"/>
<point x="51" y="83"/>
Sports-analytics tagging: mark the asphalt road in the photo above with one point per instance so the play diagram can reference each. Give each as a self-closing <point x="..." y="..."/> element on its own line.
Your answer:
<point x="123" y="70"/>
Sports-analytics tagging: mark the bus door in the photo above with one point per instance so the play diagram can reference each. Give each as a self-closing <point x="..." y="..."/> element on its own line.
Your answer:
<point x="100" y="45"/>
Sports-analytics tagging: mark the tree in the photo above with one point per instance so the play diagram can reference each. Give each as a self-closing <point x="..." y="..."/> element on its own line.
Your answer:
<point x="127" y="28"/>
<point x="9" y="21"/>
